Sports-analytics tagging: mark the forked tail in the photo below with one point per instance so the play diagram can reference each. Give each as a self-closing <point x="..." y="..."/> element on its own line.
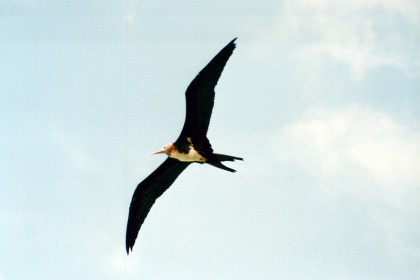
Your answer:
<point x="219" y="158"/>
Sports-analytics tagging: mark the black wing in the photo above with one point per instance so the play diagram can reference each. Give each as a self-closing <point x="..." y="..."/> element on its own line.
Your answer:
<point x="200" y="100"/>
<point x="146" y="194"/>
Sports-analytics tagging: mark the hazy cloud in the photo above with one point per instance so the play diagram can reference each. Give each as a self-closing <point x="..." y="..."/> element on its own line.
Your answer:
<point x="356" y="144"/>
<point x="363" y="155"/>
<point x="360" y="34"/>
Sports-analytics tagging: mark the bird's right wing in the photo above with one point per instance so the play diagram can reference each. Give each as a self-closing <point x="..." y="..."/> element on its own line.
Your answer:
<point x="146" y="194"/>
<point x="200" y="98"/>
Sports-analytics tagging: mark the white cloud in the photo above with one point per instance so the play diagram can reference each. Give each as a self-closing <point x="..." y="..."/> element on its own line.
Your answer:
<point x="367" y="150"/>
<point x="366" y="157"/>
<point x="360" y="34"/>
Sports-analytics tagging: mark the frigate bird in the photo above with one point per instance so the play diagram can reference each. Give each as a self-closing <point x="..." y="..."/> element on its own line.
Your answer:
<point x="191" y="146"/>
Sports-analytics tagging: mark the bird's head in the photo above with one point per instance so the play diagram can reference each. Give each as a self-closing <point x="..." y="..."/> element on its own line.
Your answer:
<point x="167" y="149"/>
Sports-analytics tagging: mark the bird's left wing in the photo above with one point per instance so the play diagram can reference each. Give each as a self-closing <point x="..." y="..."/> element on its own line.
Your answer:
<point x="146" y="194"/>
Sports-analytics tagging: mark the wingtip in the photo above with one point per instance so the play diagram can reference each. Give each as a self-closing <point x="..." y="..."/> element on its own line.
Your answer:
<point x="128" y="247"/>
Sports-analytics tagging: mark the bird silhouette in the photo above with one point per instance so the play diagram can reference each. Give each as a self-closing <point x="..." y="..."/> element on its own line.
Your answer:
<point x="191" y="146"/>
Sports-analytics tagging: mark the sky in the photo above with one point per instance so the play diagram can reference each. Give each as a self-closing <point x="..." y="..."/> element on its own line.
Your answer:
<point x="320" y="98"/>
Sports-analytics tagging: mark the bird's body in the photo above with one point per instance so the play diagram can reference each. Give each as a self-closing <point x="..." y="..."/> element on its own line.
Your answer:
<point x="191" y="146"/>
<point x="188" y="155"/>
<point x="191" y="156"/>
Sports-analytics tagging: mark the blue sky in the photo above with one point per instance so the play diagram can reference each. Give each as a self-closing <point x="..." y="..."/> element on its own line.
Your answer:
<point x="320" y="97"/>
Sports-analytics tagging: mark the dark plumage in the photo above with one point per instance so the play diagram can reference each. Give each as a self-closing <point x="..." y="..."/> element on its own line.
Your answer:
<point x="191" y="146"/>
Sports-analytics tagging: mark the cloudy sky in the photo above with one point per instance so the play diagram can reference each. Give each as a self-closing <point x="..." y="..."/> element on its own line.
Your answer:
<point x="320" y="97"/>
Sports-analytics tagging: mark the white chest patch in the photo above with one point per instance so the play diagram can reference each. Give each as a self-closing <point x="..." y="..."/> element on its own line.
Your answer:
<point x="192" y="156"/>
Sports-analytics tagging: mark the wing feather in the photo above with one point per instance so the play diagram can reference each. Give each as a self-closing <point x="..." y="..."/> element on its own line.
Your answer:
<point x="200" y="99"/>
<point x="146" y="194"/>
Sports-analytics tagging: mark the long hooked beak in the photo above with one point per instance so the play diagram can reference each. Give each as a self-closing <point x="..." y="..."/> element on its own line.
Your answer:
<point x="162" y="151"/>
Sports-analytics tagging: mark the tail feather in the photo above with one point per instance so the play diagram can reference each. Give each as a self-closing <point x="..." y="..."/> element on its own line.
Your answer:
<point x="216" y="161"/>
<point x="221" y="157"/>
<point x="218" y="164"/>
